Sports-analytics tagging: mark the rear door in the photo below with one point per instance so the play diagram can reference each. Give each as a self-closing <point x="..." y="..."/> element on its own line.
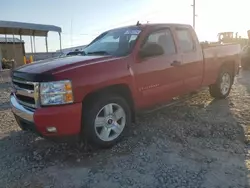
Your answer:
<point x="156" y="79"/>
<point x="192" y="57"/>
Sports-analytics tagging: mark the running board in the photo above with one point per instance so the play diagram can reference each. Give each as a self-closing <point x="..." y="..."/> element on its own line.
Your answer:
<point x="174" y="101"/>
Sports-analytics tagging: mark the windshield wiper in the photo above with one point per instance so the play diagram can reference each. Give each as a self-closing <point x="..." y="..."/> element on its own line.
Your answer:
<point x="99" y="52"/>
<point x="75" y="53"/>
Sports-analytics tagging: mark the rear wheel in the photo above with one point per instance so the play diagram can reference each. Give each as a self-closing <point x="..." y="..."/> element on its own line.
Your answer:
<point x="105" y="121"/>
<point x="222" y="87"/>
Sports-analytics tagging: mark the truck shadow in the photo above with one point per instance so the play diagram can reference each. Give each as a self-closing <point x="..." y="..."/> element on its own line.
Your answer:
<point x="244" y="80"/>
<point x="4" y="106"/>
<point x="202" y="132"/>
<point x="4" y="96"/>
<point x="211" y="131"/>
<point x="5" y="85"/>
<point x="205" y="132"/>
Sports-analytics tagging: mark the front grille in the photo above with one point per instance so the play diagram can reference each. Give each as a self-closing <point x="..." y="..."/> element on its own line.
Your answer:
<point x="24" y="86"/>
<point x="26" y="92"/>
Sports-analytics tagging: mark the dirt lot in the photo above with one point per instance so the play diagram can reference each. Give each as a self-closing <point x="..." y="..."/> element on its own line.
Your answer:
<point x="198" y="143"/>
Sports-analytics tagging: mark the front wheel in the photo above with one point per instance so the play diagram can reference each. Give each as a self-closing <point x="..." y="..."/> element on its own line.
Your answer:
<point x="105" y="121"/>
<point x="222" y="87"/>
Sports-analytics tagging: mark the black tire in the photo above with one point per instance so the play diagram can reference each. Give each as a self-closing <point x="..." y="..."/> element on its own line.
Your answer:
<point x="216" y="90"/>
<point x="91" y="110"/>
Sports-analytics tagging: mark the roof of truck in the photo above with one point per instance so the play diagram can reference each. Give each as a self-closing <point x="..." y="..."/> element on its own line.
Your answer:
<point x="154" y="25"/>
<point x="165" y="24"/>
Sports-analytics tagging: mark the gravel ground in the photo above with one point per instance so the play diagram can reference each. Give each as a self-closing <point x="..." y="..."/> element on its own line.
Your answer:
<point x="198" y="143"/>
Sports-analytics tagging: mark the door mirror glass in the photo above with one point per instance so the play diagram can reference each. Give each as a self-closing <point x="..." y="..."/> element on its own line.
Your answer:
<point x="151" y="50"/>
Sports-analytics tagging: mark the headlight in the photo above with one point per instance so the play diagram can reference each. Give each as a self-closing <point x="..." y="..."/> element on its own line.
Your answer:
<point x="55" y="93"/>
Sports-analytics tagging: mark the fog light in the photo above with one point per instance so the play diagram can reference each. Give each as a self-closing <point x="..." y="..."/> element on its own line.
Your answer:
<point x="51" y="129"/>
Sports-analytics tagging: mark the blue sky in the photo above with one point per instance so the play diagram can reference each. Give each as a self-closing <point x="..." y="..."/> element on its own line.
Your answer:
<point x="90" y="18"/>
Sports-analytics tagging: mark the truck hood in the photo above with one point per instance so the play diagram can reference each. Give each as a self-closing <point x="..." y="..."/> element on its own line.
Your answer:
<point x="61" y="63"/>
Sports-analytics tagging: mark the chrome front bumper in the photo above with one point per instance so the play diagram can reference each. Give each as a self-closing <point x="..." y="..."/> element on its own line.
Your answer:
<point x="20" y="111"/>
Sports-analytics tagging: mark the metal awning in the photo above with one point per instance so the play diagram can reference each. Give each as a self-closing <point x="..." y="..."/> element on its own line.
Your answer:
<point x="21" y="28"/>
<point x="28" y="29"/>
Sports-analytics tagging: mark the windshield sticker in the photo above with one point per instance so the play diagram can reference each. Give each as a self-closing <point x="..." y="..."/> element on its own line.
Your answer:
<point x="132" y="32"/>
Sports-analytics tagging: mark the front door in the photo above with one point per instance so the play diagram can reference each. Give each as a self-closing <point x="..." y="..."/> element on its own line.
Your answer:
<point x="156" y="78"/>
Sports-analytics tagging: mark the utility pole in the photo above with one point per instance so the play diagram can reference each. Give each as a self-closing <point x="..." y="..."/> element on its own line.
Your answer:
<point x="194" y="13"/>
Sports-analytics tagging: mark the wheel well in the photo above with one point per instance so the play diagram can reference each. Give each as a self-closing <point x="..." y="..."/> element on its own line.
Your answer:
<point x="229" y="65"/>
<point x="119" y="89"/>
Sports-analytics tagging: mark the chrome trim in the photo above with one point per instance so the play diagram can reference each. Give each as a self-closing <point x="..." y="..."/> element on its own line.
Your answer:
<point x="28" y="93"/>
<point x="24" y="92"/>
<point x="26" y="104"/>
<point x="23" y="82"/>
<point x="37" y="94"/>
<point x="20" y="111"/>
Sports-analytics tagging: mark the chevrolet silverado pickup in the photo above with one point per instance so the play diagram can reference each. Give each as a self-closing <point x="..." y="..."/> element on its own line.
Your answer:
<point x="96" y="95"/>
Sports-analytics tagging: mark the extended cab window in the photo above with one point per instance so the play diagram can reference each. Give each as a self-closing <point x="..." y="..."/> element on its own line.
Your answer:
<point x="185" y="40"/>
<point x="164" y="39"/>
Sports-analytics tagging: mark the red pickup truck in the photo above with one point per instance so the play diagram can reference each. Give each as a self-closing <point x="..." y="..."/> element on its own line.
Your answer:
<point x="95" y="95"/>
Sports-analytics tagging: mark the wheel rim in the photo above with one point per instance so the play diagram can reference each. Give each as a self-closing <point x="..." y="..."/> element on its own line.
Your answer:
<point x="110" y="122"/>
<point x="225" y="83"/>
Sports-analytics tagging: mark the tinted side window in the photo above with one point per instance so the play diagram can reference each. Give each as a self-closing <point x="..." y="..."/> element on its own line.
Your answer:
<point x="185" y="40"/>
<point x="164" y="39"/>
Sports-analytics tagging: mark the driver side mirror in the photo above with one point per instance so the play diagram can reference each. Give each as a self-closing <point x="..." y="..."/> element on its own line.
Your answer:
<point x="151" y="50"/>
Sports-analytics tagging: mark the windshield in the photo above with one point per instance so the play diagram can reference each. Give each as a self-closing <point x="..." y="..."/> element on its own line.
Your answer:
<point x="117" y="42"/>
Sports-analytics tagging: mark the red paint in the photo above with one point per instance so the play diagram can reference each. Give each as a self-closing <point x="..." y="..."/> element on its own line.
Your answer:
<point x="151" y="80"/>
<point x="67" y="119"/>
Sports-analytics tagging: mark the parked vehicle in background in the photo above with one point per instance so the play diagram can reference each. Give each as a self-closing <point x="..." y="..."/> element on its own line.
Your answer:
<point x="96" y="95"/>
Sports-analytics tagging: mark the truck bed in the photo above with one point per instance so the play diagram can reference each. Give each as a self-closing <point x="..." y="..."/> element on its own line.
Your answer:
<point x="215" y="56"/>
<point x="221" y="50"/>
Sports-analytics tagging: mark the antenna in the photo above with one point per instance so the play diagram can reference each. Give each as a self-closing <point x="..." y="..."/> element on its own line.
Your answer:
<point x="138" y="23"/>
